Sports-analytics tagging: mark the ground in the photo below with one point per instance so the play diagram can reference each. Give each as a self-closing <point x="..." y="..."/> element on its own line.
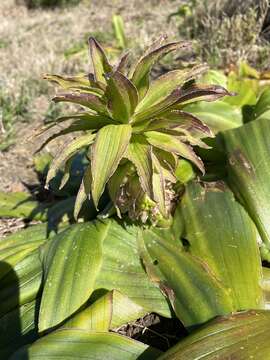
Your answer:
<point x="36" y="42"/>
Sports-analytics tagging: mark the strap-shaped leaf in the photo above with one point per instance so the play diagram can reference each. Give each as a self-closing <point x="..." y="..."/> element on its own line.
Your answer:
<point x="171" y="143"/>
<point x="122" y="96"/>
<point x="99" y="60"/>
<point x="160" y="88"/>
<point x="84" y="191"/>
<point x="69" y="261"/>
<point x="158" y="180"/>
<point x="90" y="101"/>
<point x="94" y="256"/>
<point x="219" y="116"/>
<point x="108" y="149"/>
<point x="139" y="153"/>
<point x="227" y="255"/>
<point x="21" y="282"/>
<point x="140" y="76"/>
<point x="248" y="150"/>
<point x="18" y="328"/>
<point x="108" y="312"/>
<point x="66" y="152"/>
<point x="195" y="293"/>
<point x="81" y="344"/>
<point x="238" y="336"/>
<point x="83" y="82"/>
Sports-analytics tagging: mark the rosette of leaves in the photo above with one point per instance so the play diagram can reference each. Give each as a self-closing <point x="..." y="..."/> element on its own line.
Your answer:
<point x="135" y="130"/>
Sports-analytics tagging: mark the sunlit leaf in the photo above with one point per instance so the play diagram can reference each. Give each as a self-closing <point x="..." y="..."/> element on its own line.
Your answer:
<point x="122" y="96"/>
<point x="238" y="336"/>
<point x="99" y="60"/>
<point x="67" y="152"/>
<point x="108" y="149"/>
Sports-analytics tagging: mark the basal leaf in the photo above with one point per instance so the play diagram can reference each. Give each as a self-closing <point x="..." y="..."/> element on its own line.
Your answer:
<point x="69" y="261"/>
<point x="227" y="246"/>
<point x="122" y="96"/>
<point x="108" y="252"/>
<point x="80" y="344"/>
<point x="239" y="336"/>
<point x="195" y="294"/>
<point x="108" y="149"/>
<point x="109" y="311"/>
<point x="248" y="151"/>
<point x="219" y="116"/>
<point x="21" y="282"/>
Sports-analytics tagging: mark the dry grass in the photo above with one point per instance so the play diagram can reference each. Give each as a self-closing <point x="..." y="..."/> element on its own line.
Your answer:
<point x="33" y="42"/>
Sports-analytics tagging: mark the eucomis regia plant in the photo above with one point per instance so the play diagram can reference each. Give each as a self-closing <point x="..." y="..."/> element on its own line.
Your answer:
<point x="135" y="129"/>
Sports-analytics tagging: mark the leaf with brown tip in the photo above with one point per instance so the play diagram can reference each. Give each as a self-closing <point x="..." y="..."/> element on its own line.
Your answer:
<point x="90" y="101"/>
<point x="100" y="62"/>
<point x="140" y="76"/>
<point x="172" y="144"/>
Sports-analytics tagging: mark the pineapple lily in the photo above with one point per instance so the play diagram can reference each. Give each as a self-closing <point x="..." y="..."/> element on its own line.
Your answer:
<point x="135" y="130"/>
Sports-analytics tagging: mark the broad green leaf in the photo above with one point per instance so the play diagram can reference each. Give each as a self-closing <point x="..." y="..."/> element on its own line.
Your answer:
<point x="107" y="251"/>
<point x="248" y="151"/>
<point x="90" y="101"/>
<point x="262" y="107"/>
<point x="21" y="205"/>
<point x="141" y="73"/>
<point x="68" y="151"/>
<point x="99" y="60"/>
<point x="84" y="191"/>
<point x="221" y="234"/>
<point x="170" y="143"/>
<point x="35" y="233"/>
<point x="245" y="89"/>
<point x="69" y="260"/>
<point x="80" y="82"/>
<point x="18" y="328"/>
<point x="109" y="311"/>
<point x="21" y="283"/>
<point x="214" y="77"/>
<point x="160" y="88"/>
<point x="219" y="116"/>
<point x="239" y="336"/>
<point x="195" y="293"/>
<point x="108" y="149"/>
<point x="122" y="96"/>
<point x="139" y="153"/>
<point x="80" y="344"/>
